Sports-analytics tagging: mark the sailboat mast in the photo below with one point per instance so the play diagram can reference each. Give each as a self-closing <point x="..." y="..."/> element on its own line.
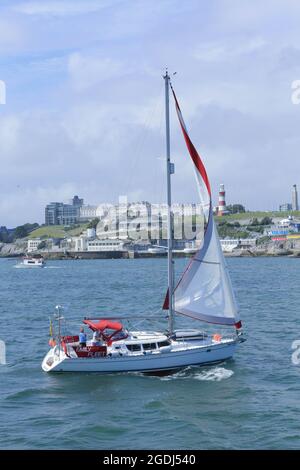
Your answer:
<point x="170" y="171"/>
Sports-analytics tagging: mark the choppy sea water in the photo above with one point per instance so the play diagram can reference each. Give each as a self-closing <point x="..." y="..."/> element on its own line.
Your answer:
<point x="249" y="402"/>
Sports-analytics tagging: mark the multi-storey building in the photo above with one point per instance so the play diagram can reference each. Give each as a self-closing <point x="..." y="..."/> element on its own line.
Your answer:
<point x="58" y="213"/>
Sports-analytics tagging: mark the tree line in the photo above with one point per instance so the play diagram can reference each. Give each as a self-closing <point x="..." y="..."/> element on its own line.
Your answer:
<point x="22" y="231"/>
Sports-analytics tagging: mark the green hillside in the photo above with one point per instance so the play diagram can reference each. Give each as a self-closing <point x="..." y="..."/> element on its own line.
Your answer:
<point x="57" y="231"/>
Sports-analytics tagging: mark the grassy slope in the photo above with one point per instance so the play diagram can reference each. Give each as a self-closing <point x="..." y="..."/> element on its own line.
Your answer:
<point x="56" y="231"/>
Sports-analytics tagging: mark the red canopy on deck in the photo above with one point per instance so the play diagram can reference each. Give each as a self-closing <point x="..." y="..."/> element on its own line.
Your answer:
<point x="101" y="325"/>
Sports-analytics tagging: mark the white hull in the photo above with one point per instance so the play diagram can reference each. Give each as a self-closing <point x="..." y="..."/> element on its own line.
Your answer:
<point x="181" y="355"/>
<point x="31" y="263"/>
<point x="30" y="266"/>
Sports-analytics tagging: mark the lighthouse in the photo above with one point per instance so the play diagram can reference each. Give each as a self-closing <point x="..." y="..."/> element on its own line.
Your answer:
<point x="222" y="204"/>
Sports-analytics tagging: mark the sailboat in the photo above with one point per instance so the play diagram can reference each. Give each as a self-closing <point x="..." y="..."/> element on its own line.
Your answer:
<point x="203" y="293"/>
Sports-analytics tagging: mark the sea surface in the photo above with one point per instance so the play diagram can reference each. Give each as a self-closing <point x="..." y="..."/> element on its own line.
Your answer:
<point x="251" y="402"/>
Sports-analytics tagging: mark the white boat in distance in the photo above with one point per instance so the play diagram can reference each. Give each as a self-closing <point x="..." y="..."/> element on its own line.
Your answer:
<point x="157" y="250"/>
<point x="31" y="262"/>
<point x="203" y="293"/>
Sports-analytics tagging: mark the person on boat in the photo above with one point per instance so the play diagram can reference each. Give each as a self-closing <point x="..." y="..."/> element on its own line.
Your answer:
<point x="82" y="338"/>
<point x="96" y="340"/>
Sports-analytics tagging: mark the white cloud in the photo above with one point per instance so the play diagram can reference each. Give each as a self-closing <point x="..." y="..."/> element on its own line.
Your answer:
<point x="9" y="128"/>
<point x="220" y="52"/>
<point x="85" y="105"/>
<point x="29" y="201"/>
<point x="87" y="71"/>
<point x="12" y="34"/>
<point x="90" y="150"/>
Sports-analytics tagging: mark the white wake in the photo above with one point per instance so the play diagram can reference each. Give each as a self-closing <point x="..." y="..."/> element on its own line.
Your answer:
<point x="214" y="375"/>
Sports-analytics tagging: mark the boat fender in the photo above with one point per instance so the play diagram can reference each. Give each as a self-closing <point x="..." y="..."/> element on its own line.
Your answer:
<point x="217" y="337"/>
<point x="52" y="342"/>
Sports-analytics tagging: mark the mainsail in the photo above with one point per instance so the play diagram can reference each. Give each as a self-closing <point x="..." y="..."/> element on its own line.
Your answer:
<point x="204" y="291"/>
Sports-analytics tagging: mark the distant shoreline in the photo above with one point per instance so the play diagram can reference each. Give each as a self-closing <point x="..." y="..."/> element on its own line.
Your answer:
<point x="128" y="255"/>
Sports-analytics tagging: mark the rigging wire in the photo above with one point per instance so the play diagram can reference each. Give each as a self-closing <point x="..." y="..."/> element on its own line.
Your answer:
<point x="147" y="126"/>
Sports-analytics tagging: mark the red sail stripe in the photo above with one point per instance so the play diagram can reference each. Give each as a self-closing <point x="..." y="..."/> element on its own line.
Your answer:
<point x="193" y="152"/>
<point x="166" y="301"/>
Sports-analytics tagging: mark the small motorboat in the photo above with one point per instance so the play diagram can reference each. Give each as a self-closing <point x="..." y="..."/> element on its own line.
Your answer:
<point x="31" y="262"/>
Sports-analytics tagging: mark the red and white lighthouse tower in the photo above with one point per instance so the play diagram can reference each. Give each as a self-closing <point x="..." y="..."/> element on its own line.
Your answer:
<point x="222" y="204"/>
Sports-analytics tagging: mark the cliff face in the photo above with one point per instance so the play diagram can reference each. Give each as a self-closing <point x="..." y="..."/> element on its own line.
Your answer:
<point x="13" y="249"/>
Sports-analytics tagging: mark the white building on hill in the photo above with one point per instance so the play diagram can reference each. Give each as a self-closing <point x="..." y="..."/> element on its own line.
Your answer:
<point x="32" y="244"/>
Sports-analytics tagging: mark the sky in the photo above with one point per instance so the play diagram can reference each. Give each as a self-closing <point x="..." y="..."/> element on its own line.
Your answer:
<point x="84" y="110"/>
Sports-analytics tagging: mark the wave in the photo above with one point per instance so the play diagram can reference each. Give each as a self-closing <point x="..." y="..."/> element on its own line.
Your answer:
<point x="215" y="374"/>
<point x="21" y="266"/>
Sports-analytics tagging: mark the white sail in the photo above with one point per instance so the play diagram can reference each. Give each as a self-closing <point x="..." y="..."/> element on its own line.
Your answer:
<point x="204" y="291"/>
